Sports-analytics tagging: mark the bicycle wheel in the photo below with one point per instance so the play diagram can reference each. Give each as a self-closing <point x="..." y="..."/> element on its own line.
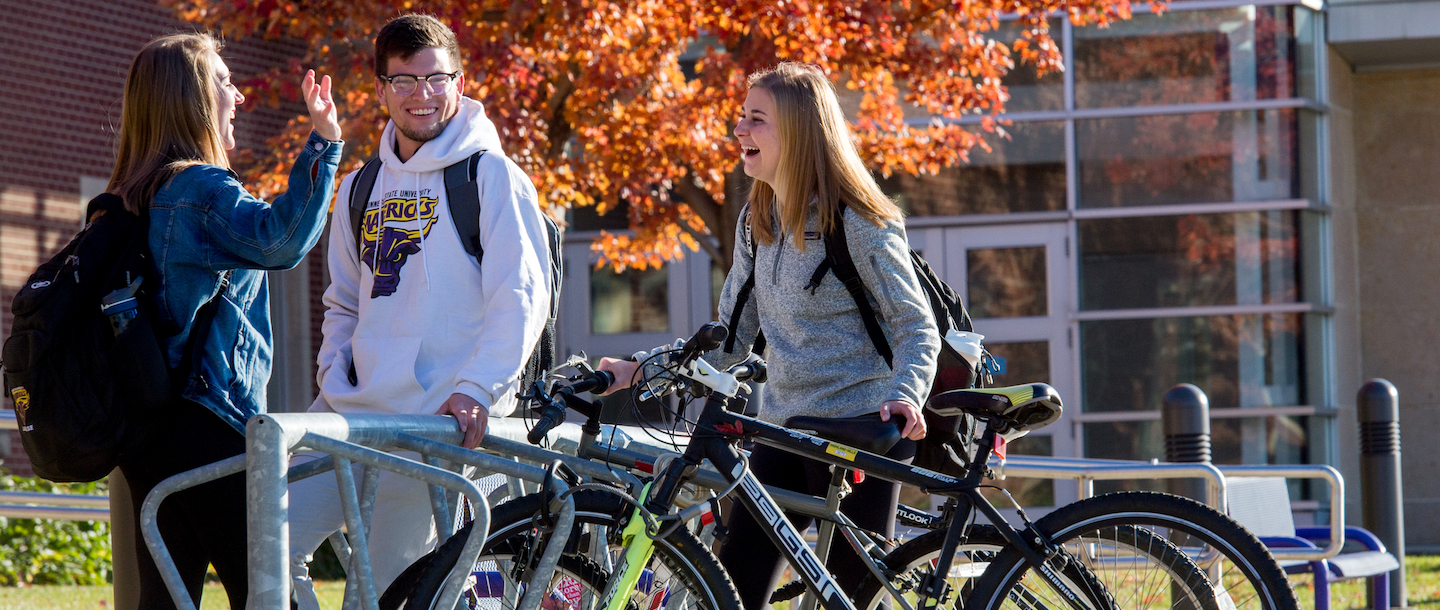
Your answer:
<point x="1109" y="535"/>
<point x="910" y="564"/>
<point x="682" y="574"/>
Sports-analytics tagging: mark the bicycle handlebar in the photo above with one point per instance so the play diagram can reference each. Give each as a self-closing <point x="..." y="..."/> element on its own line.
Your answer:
<point x="554" y="412"/>
<point x="755" y="371"/>
<point x="708" y="337"/>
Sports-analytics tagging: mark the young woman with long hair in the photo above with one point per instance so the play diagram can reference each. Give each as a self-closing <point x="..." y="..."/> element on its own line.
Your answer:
<point x="809" y="179"/>
<point x="208" y="236"/>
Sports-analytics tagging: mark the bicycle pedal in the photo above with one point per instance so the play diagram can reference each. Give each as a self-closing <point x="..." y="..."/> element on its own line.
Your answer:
<point x="788" y="592"/>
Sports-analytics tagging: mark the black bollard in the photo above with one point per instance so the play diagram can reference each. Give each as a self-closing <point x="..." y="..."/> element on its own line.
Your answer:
<point x="1185" y="418"/>
<point x="1382" y="503"/>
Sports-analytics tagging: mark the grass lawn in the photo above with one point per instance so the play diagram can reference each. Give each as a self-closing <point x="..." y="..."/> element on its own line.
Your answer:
<point x="94" y="598"/>
<point x="1422" y="581"/>
<point x="1422" y="577"/>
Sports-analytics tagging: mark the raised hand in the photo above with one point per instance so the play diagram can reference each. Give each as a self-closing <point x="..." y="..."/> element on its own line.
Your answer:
<point x="321" y="106"/>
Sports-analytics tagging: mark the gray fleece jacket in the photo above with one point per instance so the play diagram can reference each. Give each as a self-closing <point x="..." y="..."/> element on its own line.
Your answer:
<point x="821" y="361"/>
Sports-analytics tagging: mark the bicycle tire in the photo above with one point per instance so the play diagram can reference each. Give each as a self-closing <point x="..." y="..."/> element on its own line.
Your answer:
<point x="910" y="563"/>
<point x="680" y="556"/>
<point x="1248" y="576"/>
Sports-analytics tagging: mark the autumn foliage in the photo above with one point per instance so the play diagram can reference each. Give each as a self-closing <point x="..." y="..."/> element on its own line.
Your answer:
<point x="607" y="103"/>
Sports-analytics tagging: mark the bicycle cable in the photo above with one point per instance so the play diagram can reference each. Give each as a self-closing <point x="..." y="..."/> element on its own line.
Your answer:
<point x="687" y="514"/>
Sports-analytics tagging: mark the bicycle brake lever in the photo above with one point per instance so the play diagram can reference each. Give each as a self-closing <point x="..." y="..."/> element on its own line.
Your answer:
<point x="576" y="360"/>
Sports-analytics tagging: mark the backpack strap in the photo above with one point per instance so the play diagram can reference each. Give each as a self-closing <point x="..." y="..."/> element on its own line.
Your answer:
<point x="360" y="197"/>
<point x="743" y="297"/>
<point x="837" y="256"/>
<point x="462" y="194"/>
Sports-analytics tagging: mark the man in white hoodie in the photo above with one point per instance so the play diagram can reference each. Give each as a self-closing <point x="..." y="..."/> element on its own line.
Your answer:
<point x="414" y="324"/>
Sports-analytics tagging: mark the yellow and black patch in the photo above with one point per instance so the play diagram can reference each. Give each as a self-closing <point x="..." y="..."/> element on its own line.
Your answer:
<point x="22" y="402"/>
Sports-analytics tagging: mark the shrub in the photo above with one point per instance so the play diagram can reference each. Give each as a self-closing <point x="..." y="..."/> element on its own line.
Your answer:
<point x="52" y="551"/>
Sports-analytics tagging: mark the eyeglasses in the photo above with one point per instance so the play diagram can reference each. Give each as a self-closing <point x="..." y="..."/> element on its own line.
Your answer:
<point x="404" y="85"/>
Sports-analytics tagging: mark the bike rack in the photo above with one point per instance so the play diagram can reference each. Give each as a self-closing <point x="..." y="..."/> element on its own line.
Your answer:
<point x="353" y="439"/>
<point x="1087" y="471"/>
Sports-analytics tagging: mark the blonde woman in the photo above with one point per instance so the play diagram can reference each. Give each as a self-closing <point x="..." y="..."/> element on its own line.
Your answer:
<point x="797" y="147"/>
<point x="208" y="236"/>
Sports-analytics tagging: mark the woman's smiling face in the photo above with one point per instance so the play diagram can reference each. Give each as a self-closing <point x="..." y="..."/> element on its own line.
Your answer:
<point x="227" y="97"/>
<point x="759" y="136"/>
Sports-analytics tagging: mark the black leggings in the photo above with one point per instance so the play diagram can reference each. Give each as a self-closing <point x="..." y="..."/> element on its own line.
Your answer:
<point x="202" y="525"/>
<point x="753" y="561"/>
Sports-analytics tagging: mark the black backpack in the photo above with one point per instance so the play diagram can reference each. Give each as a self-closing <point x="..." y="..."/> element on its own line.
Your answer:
<point x="462" y="195"/>
<point x="949" y="444"/>
<point x="85" y="397"/>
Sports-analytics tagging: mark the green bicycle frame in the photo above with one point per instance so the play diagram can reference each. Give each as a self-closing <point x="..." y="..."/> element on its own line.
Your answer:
<point x="639" y="547"/>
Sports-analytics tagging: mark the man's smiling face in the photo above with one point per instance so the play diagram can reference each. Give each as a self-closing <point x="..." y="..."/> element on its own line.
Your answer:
<point x="422" y="115"/>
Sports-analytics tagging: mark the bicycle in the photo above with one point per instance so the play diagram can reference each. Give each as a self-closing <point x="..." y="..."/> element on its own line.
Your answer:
<point x="1056" y="560"/>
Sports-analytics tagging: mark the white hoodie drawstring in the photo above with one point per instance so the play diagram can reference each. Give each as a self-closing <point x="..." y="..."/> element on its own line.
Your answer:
<point x="420" y="222"/>
<point x="379" y="230"/>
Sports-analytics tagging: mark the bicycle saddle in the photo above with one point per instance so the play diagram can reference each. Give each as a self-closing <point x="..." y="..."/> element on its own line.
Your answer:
<point x="863" y="432"/>
<point x="1018" y="408"/>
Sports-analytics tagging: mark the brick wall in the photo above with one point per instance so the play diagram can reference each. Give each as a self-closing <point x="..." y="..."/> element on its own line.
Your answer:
<point x="61" y="80"/>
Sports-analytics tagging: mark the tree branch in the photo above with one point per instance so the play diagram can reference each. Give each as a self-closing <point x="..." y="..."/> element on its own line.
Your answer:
<point x="560" y="128"/>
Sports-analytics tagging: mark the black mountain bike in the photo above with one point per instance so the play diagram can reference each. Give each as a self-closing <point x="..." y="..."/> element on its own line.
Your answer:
<point x="1124" y="550"/>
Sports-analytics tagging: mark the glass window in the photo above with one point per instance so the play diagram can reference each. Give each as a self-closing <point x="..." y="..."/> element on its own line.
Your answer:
<point x="1024" y="172"/>
<point x="1186" y="57"/>
<point x="1258" y="440"/>
<point x="1310" y="36"/>
<point x="1248" y="258"/>
<point x="1210" y="157"/>
<point x="1242" y="440"/>
<point x="1030" y="92"/>
<point x="632" y="301"/>
<point x="1238" y="361"/>
<point x="1124" y="440"/>
<point x="1022" y="362"/>
<point x="1006" y="282"/>
<point x="585" y="218"/>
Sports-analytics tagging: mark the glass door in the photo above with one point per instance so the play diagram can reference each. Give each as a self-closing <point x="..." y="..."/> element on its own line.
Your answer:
<point x="1015" y="282"/>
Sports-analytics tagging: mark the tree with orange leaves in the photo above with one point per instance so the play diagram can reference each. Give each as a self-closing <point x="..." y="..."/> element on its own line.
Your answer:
<point x="630" y="102"/>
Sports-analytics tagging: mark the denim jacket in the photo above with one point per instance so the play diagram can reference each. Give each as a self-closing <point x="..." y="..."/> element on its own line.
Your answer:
<point x="202" y="223"/>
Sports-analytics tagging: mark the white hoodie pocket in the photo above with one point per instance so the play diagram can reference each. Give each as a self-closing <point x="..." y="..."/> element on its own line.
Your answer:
<point x="385" y="372"/>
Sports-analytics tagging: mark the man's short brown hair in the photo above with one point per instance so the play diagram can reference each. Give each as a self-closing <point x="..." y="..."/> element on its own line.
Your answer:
<point x="406" y="35"/>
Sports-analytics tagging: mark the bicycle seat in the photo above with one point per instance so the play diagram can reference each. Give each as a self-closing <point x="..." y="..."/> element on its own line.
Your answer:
<point x="863" y="432"/>
<point x="1018" y="408"/>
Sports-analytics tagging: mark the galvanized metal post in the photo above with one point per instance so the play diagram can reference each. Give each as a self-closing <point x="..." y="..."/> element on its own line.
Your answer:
<point x="1382" y="500"/>
<point x="268" y="520"/>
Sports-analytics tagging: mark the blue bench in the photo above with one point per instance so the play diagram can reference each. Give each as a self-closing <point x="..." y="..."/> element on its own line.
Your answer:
<point x="1262" y="505"/>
